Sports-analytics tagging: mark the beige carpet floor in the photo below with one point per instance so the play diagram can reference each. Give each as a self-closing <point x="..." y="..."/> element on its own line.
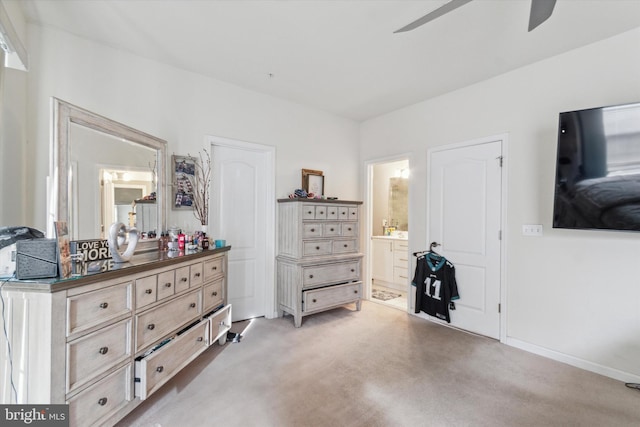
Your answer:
<point x="380" y="367"/>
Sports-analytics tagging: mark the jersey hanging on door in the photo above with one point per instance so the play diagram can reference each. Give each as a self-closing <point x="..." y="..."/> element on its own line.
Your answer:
<point x="436" y="288"/>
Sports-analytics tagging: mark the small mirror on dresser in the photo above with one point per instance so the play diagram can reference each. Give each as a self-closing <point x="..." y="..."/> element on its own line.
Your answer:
<point x="104" y="172"/>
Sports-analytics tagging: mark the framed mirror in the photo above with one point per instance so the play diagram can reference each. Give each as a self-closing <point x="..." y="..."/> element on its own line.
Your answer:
<point x="101" y="172"/>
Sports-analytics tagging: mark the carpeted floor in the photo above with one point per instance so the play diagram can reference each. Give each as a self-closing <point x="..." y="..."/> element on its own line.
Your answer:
<point x="380" y="367"/>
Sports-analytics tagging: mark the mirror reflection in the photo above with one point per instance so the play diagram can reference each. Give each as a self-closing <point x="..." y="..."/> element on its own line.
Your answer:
<point x="118" y="176"/>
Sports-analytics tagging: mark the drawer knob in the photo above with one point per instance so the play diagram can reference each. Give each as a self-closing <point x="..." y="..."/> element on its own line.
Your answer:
<point x="184" y="279"/>
<point x="311" y="276"/>
<point x="160" y="369"/>
<point x="313" y="230"/>
<point x="192" y="305"/>
<point x="349" y="228"/>
<point x="148" y="291"/>
<point x="197" y="274"/>
<point x="314" y="300"/>
<point x="103" y="350"/>
<point x="104" y="305"/>
<point x="200" y="339"/>
<point x="309" y="212"/>
<point x="332" y="229"/>
<point x="355" y="292"/>
<point x="102" y="401"/>
<point x="214" y="268"/>
<point x="353" y="270"/>
<point x="333" y="212"/>
<point x="346" y="246"/>
<point x="321" y="212"/>
<point x="317" y="248"/>
<point x="214" y="293"/>
<point x="167" y="285"/>
<point x="151" y="326"/>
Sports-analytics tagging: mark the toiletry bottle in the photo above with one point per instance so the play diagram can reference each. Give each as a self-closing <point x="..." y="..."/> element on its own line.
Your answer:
<point x="181" y="241"/>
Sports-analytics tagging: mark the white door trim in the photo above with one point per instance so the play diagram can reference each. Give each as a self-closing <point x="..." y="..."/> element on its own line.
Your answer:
<point x="269" y="215"/>
<point x="365" y="242"/>
<point x="503" y="137"/>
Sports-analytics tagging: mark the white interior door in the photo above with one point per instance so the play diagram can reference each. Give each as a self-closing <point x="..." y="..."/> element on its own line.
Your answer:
<point x="465" y="188"/>
<point x="242" y="214"/>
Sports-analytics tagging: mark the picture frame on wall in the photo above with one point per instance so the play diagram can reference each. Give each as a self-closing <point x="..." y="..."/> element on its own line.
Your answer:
<point x="313" y="181"/>
<point x="183" y="174"/>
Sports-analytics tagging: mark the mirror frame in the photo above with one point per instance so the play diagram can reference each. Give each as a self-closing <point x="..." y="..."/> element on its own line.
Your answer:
<point x="60" y="188"/>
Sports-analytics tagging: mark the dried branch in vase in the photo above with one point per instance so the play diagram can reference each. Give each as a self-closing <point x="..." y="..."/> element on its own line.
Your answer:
<point x="200" y="183"/>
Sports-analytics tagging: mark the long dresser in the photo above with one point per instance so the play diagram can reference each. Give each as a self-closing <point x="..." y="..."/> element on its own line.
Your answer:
<point x="319" y="264"/>
<point x="105" y="342"/>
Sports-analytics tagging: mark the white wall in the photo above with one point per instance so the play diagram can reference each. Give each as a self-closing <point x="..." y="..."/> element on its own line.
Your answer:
<point x="13" y="133"/>
<point x="180" y="107"/>
<point x="571" y="295"/>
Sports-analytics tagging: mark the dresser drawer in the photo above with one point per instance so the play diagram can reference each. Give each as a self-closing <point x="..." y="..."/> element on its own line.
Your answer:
<point x="322" y="298"/>
<point x="158" y="322"/>
<point x="311" y="230"/>
<point x="101" y="400"/>
<point x="353" y="214"/>
<point x="343" y="213"/>
<point x="316" y="247"/>
<point x="197" y="274"/>
<point x="146" y="290"/>
<point x="219" y="324"/>
<point x="349" y="229"/>
<point x="213" y="268"/>
<point x="85" y="311"/>
<point x="182" y="279"/>
<point x="344" y="246"/>
<point x="213" y="295"/>
<point x="96" y="353"/>
<point x="166" y="284"/>
<point x="400" y="275"/>
<point x="161" y="365"/>
<point x="332" y="229"/>
<point x="330" y="273"/>
<point x="332" y="212"/>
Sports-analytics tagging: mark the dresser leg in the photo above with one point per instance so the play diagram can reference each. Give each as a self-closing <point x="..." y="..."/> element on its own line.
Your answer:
<point x="297" y="320"/>
<point x="358" y="304"/>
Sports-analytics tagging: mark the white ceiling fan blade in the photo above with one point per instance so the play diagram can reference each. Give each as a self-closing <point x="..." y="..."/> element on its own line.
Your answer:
<point x="446" y="8"/>
<point x="541" y="10"/>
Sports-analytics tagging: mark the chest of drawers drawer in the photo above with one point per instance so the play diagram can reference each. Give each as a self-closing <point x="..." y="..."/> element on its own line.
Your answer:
<point x="330" y="273"/>
<point x="157" y="368"/>
<point x="166" y="284"/>
<point x="90" y="309"/>
<point x="196" y="274"/>
<point x="90" y="356"/>
<point x="323" y="298"/>
<point x="213" y="295"/>
<point x="161" y="320"/>
<point x="213" y="269"/>
<point x="93" y="405"/>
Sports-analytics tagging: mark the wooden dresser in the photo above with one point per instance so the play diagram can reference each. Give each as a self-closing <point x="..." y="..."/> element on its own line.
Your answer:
<point x="319" y="264"/>
<point x="104" y="342"/>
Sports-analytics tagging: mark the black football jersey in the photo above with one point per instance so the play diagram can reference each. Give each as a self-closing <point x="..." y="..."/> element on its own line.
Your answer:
<point x="436" y="288"/>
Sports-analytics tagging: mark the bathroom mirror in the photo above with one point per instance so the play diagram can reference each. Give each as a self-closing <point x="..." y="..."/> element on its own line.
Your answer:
<point x="399" y="203"/>
<point x="103" y="172"/>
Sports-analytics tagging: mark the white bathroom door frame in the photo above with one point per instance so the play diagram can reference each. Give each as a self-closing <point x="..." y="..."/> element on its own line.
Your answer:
<point x="368" y="215"/>
<point x="268" y="211"/>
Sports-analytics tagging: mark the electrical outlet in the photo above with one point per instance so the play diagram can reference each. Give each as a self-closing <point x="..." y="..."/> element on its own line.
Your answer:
<point x="532" y="230"/>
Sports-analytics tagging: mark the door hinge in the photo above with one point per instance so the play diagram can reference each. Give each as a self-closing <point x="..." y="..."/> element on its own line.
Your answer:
<point x="499" y="308"/>
<point x="501" y="160"/>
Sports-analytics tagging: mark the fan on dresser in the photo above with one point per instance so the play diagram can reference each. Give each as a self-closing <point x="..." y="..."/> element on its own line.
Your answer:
<point x="541" y="10"/>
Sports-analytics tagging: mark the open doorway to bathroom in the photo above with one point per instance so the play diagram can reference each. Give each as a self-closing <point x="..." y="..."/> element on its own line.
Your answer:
<point x="388" y="232"/>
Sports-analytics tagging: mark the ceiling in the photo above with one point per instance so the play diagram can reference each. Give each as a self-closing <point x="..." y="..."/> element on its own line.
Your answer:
<point x="339" y="55"/>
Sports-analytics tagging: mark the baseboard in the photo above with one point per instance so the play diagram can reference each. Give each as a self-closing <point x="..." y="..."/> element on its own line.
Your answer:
<point x="574" y="361"/>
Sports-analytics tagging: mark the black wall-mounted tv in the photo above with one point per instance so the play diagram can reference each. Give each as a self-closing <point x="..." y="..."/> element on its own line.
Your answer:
<point x="598" y="169"/>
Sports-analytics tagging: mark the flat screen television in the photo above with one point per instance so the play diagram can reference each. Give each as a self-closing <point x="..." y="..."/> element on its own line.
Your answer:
<point x="598" y="169"/>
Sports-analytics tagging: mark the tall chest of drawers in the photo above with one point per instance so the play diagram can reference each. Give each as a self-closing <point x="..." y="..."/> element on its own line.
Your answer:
<point x="104" y="343"/>
<point x="319" y="264"/>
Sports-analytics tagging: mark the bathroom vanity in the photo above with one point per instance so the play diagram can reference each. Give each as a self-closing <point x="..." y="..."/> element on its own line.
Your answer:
<point x="390" y="261"/>
<point x="106" y="341"/>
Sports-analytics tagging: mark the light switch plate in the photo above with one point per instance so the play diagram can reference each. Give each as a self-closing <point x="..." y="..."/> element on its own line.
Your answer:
<point x="532" y="230"/>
